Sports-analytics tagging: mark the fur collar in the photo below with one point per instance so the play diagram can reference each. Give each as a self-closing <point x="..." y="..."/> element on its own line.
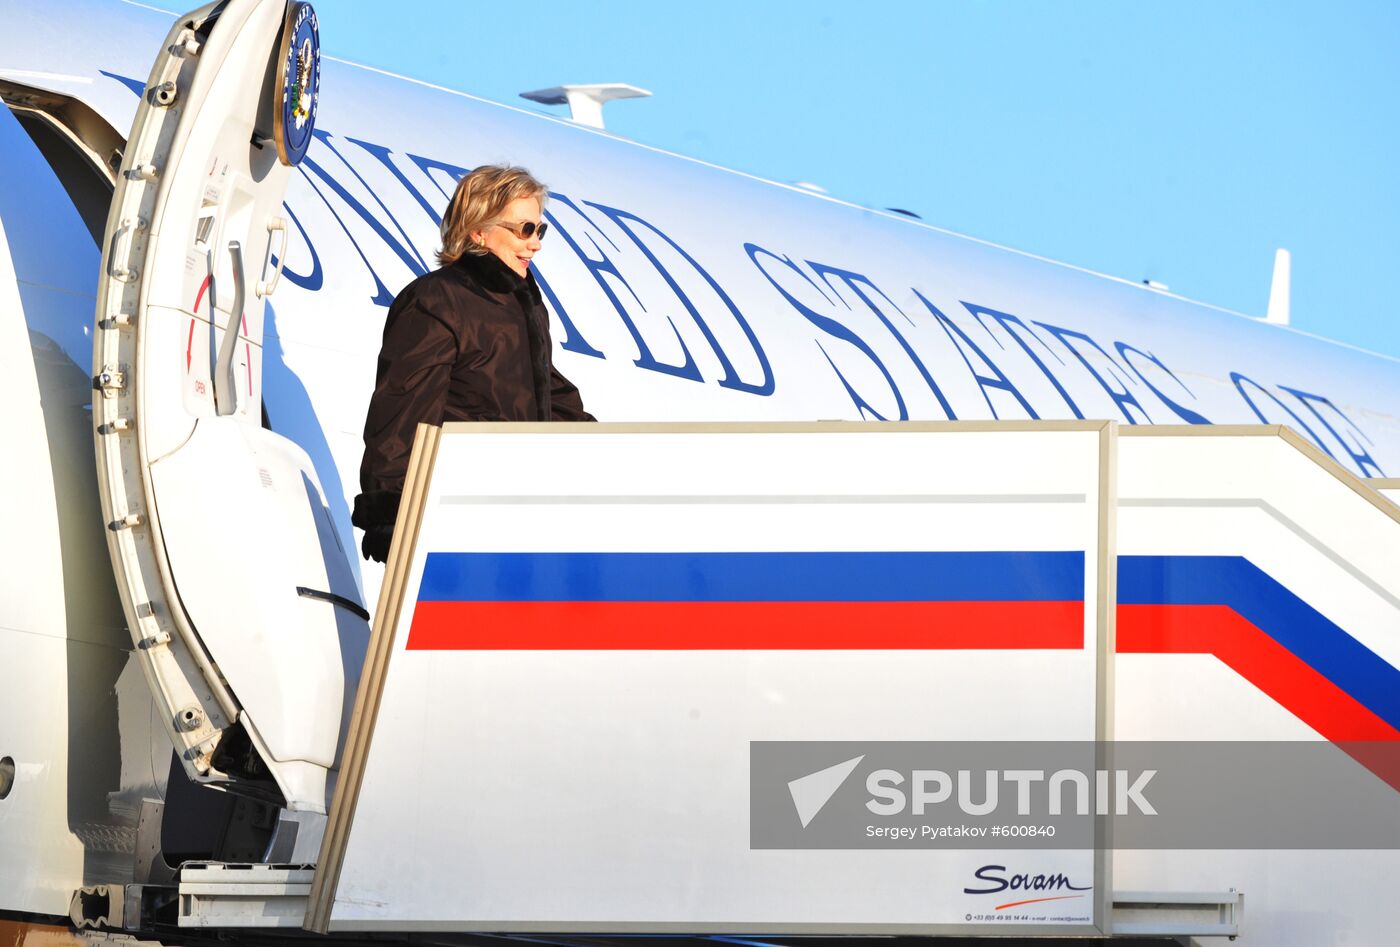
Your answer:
<point x="492" y="274"/>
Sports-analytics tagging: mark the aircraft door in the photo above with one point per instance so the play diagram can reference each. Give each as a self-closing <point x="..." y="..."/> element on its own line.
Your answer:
<point x="237" y="592"/>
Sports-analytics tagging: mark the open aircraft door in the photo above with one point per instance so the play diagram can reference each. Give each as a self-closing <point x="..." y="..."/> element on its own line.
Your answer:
<point x="238" y="595"/>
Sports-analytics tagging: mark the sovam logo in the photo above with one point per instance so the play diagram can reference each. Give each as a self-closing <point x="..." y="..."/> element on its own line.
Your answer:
<point x="995" y="881"/>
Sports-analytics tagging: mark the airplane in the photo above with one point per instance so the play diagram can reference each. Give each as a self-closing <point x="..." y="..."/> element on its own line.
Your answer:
<point x="189" y="465"/>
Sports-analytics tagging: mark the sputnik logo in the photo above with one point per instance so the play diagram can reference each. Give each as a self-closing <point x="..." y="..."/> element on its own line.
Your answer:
<point x="812" y="792"/>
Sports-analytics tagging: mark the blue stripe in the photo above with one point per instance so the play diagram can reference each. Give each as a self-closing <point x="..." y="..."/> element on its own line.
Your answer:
<point x="754" y="577"/>
<point x="1241" y="585"/>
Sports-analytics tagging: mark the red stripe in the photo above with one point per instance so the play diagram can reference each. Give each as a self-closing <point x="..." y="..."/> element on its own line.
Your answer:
<point x="199" y="297"/>
<point x="744" y="626"/>
<point x="1269" y="666"/>
<point x="1017" y="904"/>
<point x="1258" y="658"/>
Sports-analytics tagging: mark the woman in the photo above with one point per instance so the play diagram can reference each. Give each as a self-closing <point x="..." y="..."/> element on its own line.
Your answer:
<point x="466" y="342"/>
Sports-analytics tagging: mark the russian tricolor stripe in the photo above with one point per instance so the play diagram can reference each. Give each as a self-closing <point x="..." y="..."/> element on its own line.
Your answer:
<point x="750" y="601"/>
<point x="1224" y="606"/>
<point x="1228" y="607"/>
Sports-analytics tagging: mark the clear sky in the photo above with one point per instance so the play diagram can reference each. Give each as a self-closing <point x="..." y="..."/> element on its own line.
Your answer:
<point x="1180" y="141"/>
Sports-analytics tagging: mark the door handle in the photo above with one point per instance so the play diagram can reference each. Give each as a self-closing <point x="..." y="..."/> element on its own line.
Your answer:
<point x="118" y="267"/>
<point x="225" y="388"/>
<point x="267" y="288"/>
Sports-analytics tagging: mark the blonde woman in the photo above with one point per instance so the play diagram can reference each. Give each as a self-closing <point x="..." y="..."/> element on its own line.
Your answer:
<point x="466" y="342"/>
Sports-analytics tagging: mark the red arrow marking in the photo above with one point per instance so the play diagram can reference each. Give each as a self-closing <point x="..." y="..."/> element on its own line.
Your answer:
<point x="189" y="345"/>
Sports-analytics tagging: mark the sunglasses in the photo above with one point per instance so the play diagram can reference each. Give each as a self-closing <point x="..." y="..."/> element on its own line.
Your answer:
<point x="526" y="230"/>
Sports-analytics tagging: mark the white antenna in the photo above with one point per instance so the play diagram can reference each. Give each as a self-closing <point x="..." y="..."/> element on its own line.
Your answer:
<point x="585" y="101"/>
<point x="1278" y="292"/>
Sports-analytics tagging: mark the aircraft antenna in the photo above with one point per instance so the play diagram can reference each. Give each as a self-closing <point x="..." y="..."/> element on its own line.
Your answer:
<point x="586" y="102"/>
<point x="1278" y="292"/>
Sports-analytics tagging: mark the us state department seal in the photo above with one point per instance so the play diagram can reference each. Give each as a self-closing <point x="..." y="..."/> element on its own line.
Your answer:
<point x="301" y="84"/>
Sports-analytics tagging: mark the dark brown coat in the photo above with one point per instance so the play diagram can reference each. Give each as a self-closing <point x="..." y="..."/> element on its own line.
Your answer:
<point x="466" y="342"/>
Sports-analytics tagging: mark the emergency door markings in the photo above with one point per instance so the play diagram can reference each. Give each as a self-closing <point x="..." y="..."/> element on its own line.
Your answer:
<point x="189" y="345"/>
<point x="243" y="323"/>
<point x="750" y="601"/>
<point x="1228" y="607"/>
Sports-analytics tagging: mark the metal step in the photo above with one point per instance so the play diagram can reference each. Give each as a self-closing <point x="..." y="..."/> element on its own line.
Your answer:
<point x="252" y="895"/>
<point x="1177" y="914"/>
<point x="244" y="895"/>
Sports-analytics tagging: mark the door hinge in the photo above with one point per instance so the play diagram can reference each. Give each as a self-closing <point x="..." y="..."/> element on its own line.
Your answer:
<point x="164" y="92"/>
<point x="129" y="521"/>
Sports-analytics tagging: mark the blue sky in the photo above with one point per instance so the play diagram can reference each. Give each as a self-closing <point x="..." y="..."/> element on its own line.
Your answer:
<point x="1181" y="141"/>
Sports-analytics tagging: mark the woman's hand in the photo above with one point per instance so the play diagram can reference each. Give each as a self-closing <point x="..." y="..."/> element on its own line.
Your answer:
<point x="375" y="545"/>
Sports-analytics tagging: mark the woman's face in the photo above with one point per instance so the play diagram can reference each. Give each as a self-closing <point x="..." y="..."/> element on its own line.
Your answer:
<point x="503" y="238"/>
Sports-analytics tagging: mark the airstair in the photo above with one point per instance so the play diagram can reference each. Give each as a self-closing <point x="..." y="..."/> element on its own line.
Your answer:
<point x="598" y="647"/>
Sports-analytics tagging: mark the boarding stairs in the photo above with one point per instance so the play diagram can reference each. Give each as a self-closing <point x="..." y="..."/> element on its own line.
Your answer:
<point x="536" y="749"/>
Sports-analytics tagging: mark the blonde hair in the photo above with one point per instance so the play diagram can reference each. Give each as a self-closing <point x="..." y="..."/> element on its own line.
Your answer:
<point x="479" y="200"/>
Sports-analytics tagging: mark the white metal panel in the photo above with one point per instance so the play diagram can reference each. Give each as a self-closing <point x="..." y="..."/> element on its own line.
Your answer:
<point x="1195" y="697"/>
<point x="288" y="671"/>
<point x="1260" y="498"/>
<point x="193" y="483"/>
<point x="66" y="816"/>
<point x="547" y="789"/>
<point x="26" y="436"/>
<point x="43" y="858"/>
